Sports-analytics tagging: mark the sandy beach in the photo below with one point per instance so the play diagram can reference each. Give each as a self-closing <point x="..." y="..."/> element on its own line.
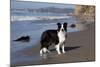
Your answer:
<point x="80" y="47"/>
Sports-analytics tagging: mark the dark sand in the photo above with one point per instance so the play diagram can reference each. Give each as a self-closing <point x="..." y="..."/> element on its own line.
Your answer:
<point x="80" y="47"/>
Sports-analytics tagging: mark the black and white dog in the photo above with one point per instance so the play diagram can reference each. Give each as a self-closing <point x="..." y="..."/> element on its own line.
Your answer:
<point x="56" y="37"/>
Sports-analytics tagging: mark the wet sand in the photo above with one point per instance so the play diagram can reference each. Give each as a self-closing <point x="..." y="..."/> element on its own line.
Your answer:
<point x="80" y="47"/>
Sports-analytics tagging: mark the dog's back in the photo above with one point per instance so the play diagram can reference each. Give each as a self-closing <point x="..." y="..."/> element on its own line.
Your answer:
<point x="48" y="37"/>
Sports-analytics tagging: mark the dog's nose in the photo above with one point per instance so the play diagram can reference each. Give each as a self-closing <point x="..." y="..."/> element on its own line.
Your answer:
<point x="62" y="29"/>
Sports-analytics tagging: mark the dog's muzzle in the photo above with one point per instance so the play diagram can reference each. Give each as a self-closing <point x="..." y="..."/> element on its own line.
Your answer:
<point x="62" y="29"/>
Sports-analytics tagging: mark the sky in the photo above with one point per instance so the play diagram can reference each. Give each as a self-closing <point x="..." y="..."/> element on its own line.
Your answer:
<point x="29" y="4"/>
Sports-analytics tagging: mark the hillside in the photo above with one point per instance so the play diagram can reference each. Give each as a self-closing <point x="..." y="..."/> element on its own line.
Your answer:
<point x="85" y="13"/>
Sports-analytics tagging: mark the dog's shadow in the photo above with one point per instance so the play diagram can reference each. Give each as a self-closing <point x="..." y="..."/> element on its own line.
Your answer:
<point x="68" y="48"/>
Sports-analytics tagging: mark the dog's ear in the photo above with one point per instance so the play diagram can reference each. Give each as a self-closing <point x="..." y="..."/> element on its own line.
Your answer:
<point x="65" y="25"/>
<point x="59" y="26"/>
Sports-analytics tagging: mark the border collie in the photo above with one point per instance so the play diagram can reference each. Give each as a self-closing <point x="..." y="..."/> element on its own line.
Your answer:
<point x="56" y="37"/>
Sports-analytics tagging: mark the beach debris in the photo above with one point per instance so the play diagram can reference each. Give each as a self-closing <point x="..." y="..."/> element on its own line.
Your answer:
<point x="23" y="39"/>
<point x="72" y="25"/>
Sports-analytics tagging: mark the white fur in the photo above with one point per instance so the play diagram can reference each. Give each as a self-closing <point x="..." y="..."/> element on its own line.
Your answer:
<point x="58" y="49"/>
<point x="41" y="52"/>
<point x="63" y="50"/>
<point x="44" y="50"/>
<point x="61" y="35"/>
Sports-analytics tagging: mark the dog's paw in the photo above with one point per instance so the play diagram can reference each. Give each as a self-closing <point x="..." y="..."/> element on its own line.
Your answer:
<point x="59" y="53"/>
<point x="63" y="52"/>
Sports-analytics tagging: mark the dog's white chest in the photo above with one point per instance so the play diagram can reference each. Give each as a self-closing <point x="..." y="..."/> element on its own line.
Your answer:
<point x="61" y="36"/>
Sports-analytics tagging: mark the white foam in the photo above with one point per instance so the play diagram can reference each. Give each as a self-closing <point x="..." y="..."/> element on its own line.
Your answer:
<point x="23" y="18"/>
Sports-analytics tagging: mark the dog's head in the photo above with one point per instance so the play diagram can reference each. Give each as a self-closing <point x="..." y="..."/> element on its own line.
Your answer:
<point x="62" y="27"/>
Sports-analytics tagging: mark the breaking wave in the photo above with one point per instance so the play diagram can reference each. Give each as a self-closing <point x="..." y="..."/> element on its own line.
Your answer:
<point x="25" y="18"/>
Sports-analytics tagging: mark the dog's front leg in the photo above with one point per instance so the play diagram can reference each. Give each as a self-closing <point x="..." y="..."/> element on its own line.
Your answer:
<point x="58" y="48"/>
<point x="63" y="48"/>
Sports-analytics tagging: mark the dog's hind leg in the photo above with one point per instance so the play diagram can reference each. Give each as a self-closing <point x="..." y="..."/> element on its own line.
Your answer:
<point x="44" y="51"/>
<point x="41" y="52"/>
<point x="48" y="51"/>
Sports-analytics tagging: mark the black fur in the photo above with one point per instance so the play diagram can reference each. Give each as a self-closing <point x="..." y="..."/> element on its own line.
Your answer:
<point x="48" y="38"/>
<point x="59" y="26"/>
<point x="65" y="26"/>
